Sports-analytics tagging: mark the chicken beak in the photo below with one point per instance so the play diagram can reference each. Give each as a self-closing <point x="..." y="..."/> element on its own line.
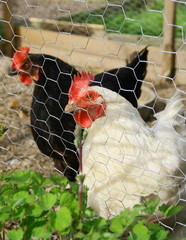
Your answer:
<point x="13" y="72"/>
<point x="70" y="107"/>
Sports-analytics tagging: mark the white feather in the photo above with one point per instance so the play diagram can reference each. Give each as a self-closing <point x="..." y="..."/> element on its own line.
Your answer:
<point x="5" y="66"/>
<point x="124" y="159"/>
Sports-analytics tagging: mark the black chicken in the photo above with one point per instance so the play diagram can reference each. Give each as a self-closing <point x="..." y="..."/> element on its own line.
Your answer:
<point x="126" y="80"/>
<point x="52" y="128"/>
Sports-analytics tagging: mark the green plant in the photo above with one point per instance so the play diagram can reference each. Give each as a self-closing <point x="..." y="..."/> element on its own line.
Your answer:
<point x="33" y="206"/>
<point x="3" y="129"/>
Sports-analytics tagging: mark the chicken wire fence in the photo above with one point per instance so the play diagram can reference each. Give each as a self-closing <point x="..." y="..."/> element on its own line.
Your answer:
<point x="102" y="38"/>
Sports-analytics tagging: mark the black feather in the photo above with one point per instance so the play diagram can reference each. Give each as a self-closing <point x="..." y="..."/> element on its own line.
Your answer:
<point x="126" y="80"/>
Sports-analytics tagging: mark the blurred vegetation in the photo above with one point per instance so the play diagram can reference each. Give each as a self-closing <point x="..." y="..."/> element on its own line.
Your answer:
<point x="3" y="129"/>
<point x="33" y="206"/>
<point x="132" y="17"/>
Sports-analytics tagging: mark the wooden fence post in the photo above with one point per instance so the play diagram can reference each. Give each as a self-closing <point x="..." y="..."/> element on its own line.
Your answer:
<point x="8" y="29"/>
<point x="168" y="58"/>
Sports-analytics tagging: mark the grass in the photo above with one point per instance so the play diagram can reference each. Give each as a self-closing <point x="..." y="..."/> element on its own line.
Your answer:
<point x="133" y="18"/>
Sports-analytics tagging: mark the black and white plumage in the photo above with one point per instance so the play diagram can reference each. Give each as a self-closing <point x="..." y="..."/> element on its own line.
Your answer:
<point x="52" y="128"/>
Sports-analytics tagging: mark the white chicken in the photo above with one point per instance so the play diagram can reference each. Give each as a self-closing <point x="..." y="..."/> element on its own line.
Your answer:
<point x="123" y="158"/>
<point x="5" y="66"/>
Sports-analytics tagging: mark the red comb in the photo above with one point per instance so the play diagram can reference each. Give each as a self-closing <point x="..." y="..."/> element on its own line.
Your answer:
<point x="19" y="56"/>
<point x="80" y="82"/>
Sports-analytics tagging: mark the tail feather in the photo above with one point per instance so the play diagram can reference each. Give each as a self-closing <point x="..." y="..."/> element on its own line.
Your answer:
<point x="135" y="57"/>
<point x="173" y="107"/>
<point x="171" y="126"/>
<point x="139" y="64"/>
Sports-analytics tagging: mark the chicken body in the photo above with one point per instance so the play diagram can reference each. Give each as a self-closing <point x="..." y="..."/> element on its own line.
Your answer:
<point x="52" y="128"/>
<point x="124" y="159"/>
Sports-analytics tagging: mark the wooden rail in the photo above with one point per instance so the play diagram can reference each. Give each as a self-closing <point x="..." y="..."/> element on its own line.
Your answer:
<point x="92" y="54"/>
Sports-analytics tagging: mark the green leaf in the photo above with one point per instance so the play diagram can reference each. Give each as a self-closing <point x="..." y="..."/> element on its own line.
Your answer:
<point x="116" y="226"/>
<point x="21" y="177"/>
<point x="8" y="195"/>
<point x="59" y="180"/>
<point x="57" y="191"/>
<point x="99" y="222"/>
<point x="111" y="236"/>
<point x="47" y="182"/>
<point x="4" y="216"/>
<point x="66" y="199"/>
<point x="15" y="234"/>
<point x="20" y="198"/>
<point x="89" y="213"/>
<point x="18" y="202"/>
<point x="5" y="175"/>
<point x="37" y="178"/>
<point x="80" y="235"/>
<point x="151" y="202"/>
<point x="5" y="187"/>
<point x="171" y="210"/>
<point x="52" y="219"/>
<point x="140" y="232"/>
<point x="155" y="227"/>
<point x="19" y="213"/>
<point x="28" y="221"/>
<point x="63" y="219"/>
<point x="47" y="201"/>
<point x="42" y="230"/>
<point x="74" y="187"/>
<point x="5" y="209"/>
<point x="130" y="218"/>
<point x="161" y="235"/>
<point x="38" y="191"/>
<point x="94" y="235"/>
<point x="3" y="129"/>
<point x="157" y="231"/>
<point x="35" y="210"/>
<point x="75" y="209"/>
<point x="24" y="194"/>
<point x="80" y="178"/>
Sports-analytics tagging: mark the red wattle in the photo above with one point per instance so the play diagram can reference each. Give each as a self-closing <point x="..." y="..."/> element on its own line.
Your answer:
<point x="86" y="117"/>
<point x="25" y="78"/>
<point x="83" y="118"/>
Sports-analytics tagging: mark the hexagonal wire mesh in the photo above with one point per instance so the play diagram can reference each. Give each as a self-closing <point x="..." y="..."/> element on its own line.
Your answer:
<point x="123" y="157"/>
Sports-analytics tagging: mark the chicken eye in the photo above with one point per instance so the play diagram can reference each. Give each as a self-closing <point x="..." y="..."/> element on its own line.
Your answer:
<point x="26" y="66"/>
<point x="89" y="96"/>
